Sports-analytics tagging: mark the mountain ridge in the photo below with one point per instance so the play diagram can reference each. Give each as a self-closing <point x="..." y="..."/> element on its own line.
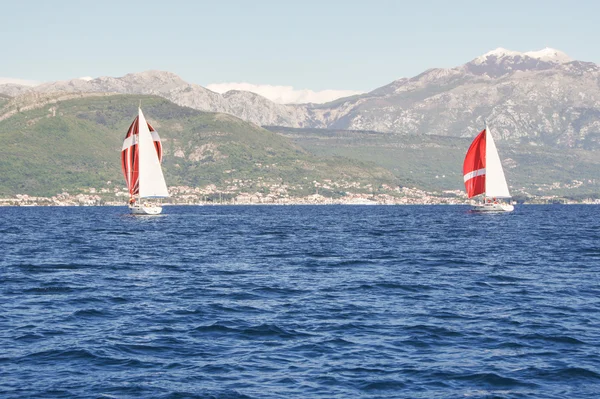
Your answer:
<point x="531" y="98"/>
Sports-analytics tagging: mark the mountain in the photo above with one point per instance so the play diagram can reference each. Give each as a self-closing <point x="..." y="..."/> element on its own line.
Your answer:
<point x="54" y="141"/>
<point x="248" y="106"/>
<point x="3" y="99"/>
<point x="14" y="89"/>
<point x="69" y="141"/>
<point x="540" y="98"/>
<point x="537" y="98"/>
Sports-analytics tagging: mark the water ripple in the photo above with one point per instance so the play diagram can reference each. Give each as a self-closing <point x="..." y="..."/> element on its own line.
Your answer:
<point x="319" y="302"/>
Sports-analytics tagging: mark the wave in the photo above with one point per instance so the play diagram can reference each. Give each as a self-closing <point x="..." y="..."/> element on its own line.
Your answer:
<point x="414" y="288"/>
<point x="564" y="373"/>
<point x="351" y="302"/>
<point x="494" y="379"/>
<point x="77" y="354"/>
<point x="225" y="394"/>
<point x="91" y="313"/>
<point x="382" y="385"/>
<point x="53" y="290"/>
<point x="278" y="291"/>
<point x="562" y="339"/>
<point x="431" y="330"/>
<point x="261" y="330"/>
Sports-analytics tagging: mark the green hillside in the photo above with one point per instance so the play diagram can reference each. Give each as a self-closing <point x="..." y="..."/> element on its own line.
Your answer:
<point x="75" y="144"/>
<point x="435" y="162"/>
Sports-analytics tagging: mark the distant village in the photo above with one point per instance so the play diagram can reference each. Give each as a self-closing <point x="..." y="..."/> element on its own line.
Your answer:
<point x="237" y="192"/>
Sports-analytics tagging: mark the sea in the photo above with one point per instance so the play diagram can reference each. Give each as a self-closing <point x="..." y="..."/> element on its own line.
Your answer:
<point x="300" y="302"/>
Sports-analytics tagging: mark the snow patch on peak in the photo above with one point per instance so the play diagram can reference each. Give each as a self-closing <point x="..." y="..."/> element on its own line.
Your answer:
<point x="546" y="54"/>
<point x="550" y="55"/>
<point x="500" y="52"/>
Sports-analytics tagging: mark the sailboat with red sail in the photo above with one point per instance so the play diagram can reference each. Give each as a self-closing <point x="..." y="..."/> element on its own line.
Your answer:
<point x="141" y="157"/>
<point x="483" y="175"/>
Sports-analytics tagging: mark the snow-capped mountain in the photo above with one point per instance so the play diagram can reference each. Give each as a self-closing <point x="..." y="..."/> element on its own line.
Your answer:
<point x="538" y="97"/>
<point x="546" y="55"/>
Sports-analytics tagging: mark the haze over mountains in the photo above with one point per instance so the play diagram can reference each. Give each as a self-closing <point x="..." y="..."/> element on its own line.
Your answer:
<point x="538" y="98"/>
<point x="285" y="94"/>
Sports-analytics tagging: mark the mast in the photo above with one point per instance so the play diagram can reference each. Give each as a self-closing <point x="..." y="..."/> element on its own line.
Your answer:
<point x="136" y="141"/>
<point x="487" y="135"/>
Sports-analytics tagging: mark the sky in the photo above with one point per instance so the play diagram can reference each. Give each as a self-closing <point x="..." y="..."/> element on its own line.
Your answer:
<point x="281" y="46"/>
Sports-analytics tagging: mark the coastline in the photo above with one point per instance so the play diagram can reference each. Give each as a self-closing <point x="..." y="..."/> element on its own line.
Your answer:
<point x="212" y="196"/>
<point x="289" y="204"/>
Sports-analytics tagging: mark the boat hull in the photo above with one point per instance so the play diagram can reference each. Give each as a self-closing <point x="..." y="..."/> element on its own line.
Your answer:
<point x="492" y="208"/>
<point x="145" y="209"/>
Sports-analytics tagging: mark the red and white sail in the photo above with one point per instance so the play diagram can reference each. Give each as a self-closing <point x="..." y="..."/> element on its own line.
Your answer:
<point x="482" y="169"/>
<point x="130" y="155"/>
<point x="474" y="166"/>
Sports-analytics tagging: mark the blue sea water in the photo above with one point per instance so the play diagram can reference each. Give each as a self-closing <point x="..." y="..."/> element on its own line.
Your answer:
<point x="300" y="302"/>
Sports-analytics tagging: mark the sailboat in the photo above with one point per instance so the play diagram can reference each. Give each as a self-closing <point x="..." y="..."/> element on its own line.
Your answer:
<point x="483" y="174"/>
<point x="140" y="160"/>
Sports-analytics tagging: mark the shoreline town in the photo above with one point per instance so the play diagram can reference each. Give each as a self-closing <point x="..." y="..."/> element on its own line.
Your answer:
<point x="275" y="195"/>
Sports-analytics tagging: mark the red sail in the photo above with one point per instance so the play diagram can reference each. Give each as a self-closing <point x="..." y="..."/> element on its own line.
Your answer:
<point x="129" y="155"/>
<point x="474" y="166"/>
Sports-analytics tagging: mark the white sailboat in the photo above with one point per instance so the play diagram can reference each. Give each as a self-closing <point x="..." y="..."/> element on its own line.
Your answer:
<point x="140" y="160"/>
<point x="483" y="174"/>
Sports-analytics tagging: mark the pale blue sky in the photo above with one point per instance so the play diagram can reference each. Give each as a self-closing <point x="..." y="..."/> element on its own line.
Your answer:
<point x="354" y="45"/>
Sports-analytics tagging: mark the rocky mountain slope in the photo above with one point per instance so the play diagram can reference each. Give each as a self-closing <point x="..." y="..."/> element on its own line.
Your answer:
<point x="533" y="98"/>
<point x="247" y="106"/>
<point x="538" y="98"/>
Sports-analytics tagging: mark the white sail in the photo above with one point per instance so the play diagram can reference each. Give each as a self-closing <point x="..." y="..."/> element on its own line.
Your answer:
<point x="495" y="182"/>
<point x="151" y="181"/>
